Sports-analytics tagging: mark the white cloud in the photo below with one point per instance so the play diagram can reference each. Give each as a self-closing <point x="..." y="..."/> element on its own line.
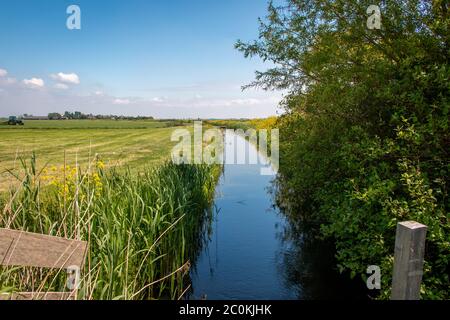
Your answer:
<point x="157" y="99"/>
<point x="245" y="102"/>
<point x="213" y="102"/>
<point x="237" y="102"/>
<point x="34" y="83"/>
<point x="61" y="86"/>
<point x="121" y="101"/>
<point x="70" y="78"/>
<point x="6" y="80"/>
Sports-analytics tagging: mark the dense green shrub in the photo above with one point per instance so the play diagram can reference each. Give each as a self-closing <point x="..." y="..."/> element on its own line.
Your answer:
<point x="365" y="139"/>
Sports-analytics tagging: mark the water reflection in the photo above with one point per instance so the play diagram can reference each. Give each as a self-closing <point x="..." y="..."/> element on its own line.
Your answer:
<point x="254" y="252"/>
<point x="308" y="267"/>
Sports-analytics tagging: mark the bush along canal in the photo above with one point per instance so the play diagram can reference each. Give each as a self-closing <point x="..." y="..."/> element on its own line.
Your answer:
<point x="253" y="252"/>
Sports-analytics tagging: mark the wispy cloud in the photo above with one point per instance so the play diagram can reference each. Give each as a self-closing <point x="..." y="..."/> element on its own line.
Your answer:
<point x="204" y="102"/>
<point x="61" y="86"/>
<point x="244" y="102"/>
<point x="121" y="101"/>
<point x="7" y="81"/>
<point x="157" y="99"/>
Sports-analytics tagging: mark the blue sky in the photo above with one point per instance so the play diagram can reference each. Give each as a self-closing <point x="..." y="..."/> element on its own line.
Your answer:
<point x="172" y="58"/>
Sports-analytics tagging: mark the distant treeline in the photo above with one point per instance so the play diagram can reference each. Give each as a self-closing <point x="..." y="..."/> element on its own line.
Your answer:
<point x="79" y="115"/>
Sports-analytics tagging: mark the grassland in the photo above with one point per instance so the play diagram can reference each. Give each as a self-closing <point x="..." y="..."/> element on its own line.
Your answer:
<point x="136" y="144"/>
<point x="143" y="217"/>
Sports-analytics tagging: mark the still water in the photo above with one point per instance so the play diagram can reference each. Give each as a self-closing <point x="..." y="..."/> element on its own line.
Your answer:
<point x="253" y="252"/>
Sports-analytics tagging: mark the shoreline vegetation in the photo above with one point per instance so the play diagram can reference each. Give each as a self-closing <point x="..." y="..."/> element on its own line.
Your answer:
<point x="364" y="137"/>
<point x="143" y="231"/>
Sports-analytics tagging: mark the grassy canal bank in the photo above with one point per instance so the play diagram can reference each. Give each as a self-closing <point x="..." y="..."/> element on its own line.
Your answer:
<point x="143" y="220"/>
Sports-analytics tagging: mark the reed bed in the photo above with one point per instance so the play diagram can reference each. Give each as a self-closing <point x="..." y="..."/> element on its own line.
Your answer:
<point x="144" y="230"/>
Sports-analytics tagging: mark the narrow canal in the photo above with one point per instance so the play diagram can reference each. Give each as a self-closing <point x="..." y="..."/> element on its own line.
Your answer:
<point x="253" y="253"/>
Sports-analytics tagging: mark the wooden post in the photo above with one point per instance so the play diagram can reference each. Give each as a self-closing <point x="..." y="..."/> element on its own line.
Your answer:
<point x="408" y="260"/>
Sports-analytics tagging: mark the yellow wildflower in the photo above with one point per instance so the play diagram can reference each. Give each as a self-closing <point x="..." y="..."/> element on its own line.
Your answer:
<point x="100" y="164"/>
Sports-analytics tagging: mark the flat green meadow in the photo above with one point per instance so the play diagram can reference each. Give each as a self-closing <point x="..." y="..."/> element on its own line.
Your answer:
<point x="132" y="143"/>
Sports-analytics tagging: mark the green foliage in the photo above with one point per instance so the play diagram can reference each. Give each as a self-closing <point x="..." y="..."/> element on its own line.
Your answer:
<point x="364" y="140"/>
<point x="258" y="124"/>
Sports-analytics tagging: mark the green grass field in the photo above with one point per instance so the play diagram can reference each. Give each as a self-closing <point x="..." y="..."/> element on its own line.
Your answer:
<point x="136" y="144"/>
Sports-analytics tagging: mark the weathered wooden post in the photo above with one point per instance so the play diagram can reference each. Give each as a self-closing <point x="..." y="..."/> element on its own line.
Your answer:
<point x="408" y="260"/>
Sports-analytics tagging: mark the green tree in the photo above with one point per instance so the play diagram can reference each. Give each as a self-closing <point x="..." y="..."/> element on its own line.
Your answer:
<point x="54" y="116"/>
<point x="364" y="139"/>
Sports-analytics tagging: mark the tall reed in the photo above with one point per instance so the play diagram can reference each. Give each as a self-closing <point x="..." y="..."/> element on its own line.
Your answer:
<point x="144" y="230"/>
